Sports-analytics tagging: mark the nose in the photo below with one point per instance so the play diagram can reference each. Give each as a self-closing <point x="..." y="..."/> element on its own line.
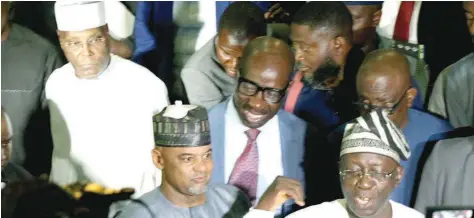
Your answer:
<point x="86" y="50"/>
<point x="234" y="62"/>
<point x="201" y="166"/>
<point x="365" y="182"/>
<point x="257" y="100"/>
<point x="299" y="55"/>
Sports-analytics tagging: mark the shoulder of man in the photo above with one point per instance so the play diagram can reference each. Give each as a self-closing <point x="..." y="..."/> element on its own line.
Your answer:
<point x="37" y="42"/>
<point x="143" y="207"/>
<point x="435" y="122"/>
<point x="202" y="60"/>
<point x="137" y="71"/>
<point x="291" y="119"/>
<point x="231" y="194"/>
<point x="459" y="71"/>
<point x="59" y="76"/>
<point x="326" y="209"/>
<point x="455" y="147"/>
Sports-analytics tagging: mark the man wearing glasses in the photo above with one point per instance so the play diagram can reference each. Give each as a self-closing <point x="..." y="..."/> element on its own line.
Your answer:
<point x="101" y="106"/>
<point x="254" y="141"/>
<point x="383" y="82"/>
<point x="369" y="170"/>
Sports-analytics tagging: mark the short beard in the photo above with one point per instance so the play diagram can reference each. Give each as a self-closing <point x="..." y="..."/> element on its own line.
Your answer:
<point x="327" y="70"/>
<point x="196" y="190"/>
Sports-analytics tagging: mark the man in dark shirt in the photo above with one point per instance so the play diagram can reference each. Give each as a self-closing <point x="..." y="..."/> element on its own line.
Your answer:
<point x="324" y="85"/>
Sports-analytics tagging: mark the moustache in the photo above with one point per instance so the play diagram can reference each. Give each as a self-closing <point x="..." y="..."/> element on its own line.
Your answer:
<point x="262" y="111"/>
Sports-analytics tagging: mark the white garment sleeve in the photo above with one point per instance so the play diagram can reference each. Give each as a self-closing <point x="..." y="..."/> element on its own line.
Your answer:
<point x="254" y="213"/>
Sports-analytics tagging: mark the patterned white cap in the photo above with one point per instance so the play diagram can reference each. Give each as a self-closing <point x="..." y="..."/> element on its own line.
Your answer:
<point x="375" y="133"/>
<point x="74" y="15"/>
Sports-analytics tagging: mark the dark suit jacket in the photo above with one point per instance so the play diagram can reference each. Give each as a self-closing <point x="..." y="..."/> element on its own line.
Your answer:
<point x="448" y="175"/>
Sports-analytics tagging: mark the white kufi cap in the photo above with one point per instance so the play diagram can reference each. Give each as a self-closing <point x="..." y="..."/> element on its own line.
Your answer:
<point x="74" y="15"/>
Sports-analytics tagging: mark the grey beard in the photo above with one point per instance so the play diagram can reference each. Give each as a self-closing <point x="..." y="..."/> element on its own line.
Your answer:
<point x="197" y="191"/>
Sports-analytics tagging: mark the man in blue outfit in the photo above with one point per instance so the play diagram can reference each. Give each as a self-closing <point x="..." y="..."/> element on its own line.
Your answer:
<point x="383" y="81"/>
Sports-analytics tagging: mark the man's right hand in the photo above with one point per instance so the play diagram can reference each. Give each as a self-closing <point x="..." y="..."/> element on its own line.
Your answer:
<point x="281" y="190"/>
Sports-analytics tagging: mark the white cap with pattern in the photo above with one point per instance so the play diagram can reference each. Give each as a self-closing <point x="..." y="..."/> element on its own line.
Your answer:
<point x="375" y="133"/>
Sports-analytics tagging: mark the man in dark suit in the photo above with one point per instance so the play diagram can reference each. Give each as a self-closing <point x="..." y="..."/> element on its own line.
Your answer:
<point x="275" y="138"/>
<point x="447" y="175"/>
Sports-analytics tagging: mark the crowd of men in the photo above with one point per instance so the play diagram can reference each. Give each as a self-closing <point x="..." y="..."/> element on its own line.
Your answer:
<point x="369" y="112"/>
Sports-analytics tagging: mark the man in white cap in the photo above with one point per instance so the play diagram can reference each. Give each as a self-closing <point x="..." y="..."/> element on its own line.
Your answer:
<point x="101" y="106"/>
<point x="369" y="170"/>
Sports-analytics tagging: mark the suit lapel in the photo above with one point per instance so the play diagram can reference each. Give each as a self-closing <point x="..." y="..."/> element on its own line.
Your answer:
<point x="286" y="139"/>
<point x="217" y="118"/>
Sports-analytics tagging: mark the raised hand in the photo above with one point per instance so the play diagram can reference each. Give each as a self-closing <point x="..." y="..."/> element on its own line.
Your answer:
<point x="281" y="190"/>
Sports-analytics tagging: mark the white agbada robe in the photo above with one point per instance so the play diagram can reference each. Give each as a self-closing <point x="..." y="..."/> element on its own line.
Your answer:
<point x="336" y="209"/>
<point x="102" y="128"/>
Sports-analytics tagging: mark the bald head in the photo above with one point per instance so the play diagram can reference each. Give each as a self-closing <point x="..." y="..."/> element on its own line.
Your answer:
<point x="384" y="81"/>
<point x="268" y="52"/>
<point x="386" y="63"/>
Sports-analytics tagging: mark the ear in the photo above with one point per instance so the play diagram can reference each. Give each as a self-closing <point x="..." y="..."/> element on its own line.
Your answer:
<point x="377" y="15"/>
<point x="399" y="176"/>
<point x="338" y="43"/>
<point x="157" y="157"/>
<point x="106" y="28"/>
<point x="411" y="95"/>
<point x="339" y="49"/>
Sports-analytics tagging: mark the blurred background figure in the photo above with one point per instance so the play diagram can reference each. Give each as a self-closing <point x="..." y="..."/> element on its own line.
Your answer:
<point x="27" y="61"/>
<point x="447" y="175"/>
<point x="432" y="35"/>
<point x="11" y="172"/>
<point x="365" y="18"/>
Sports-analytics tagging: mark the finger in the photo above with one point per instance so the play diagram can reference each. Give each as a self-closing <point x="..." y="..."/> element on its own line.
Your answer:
<point x="294" y="194"/>
<point x="287" y="180"/>
<point x="278" y="11"/>
<point x="298" y="190"/>
<point x="267" y="15"/>
<point x="286" y="185"/>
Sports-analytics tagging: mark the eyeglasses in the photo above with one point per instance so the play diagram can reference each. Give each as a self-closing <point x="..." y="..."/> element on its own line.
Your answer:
<point x="270" y="95"/>
<point x="370" y="107"/>
<point x="352" y="175"/>
<point x="76" y="45"/>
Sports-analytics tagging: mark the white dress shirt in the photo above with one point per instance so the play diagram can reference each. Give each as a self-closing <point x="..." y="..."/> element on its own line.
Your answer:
<point x="389" y="18"/>
<point x="102" y="128"/>
<point x="335" y="209"/>
<point x="269" y="148"/>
